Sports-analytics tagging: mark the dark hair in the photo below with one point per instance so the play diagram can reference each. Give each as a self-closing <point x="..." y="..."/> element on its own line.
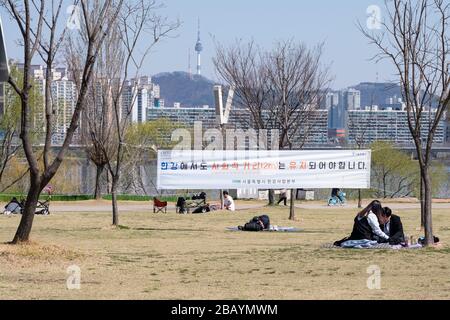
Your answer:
<point x="376" y="208"/>
<point x="387" y="212"/>
<point x="225" y="193"/>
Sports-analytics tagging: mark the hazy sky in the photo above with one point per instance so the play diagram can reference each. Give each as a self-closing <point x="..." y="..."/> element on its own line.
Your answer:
<point x="313" y="21"/>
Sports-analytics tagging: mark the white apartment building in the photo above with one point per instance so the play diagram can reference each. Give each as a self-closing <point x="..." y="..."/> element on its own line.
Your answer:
<point x="387" y="125"/>
<point x="139" y="95"/>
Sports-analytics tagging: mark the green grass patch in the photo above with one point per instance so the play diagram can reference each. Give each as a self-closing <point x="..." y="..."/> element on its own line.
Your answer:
<point x="56" y="197"/>
<point x="84" y="197"/>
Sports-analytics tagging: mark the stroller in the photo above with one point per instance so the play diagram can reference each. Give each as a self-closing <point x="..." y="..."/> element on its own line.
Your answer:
<point x="198" y="201"/>
<point x="337" y="199"/>
<point x="199" y="196"/>
<point x="43" y="208"/>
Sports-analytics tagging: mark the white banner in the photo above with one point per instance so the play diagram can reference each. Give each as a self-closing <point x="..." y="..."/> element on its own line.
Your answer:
<point x="263" y="169"/>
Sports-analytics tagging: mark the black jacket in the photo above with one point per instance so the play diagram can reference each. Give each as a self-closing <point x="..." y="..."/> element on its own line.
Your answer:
<point x="396" y="235"/>
<point x="361" y="230"/>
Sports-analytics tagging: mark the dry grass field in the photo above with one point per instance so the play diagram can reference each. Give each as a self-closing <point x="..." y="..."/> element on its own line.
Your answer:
<point x="157" y="256"/>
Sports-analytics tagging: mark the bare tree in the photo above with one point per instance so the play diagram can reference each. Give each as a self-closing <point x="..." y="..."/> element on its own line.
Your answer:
<point x="7" y="149"/>
<point x="359" y="139"/>
<point x="415" y="38"/>
<point x="241" y="67"/>
<point x="40" y="29"/>
<point x="9" y="128"/>
<point x="123" y="54"/>
<point x="143" y="142"/>
<point x="98" y="119"/>
<point x="360" y="135"/>
<point x="282" y="88"/>
<point x="298" y="83"/>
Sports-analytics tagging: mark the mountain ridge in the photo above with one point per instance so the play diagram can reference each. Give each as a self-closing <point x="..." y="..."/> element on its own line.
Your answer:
<point x="197" y="90"/>
<point x="189" y="90"/>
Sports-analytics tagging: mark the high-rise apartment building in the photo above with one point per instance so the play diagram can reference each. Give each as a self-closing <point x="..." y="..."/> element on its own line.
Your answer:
<point x="139" y="95"/>
<point x="351" y="99"/>
<point x="314" y="131"/>
<point x="331" y="100"/>
<point x="64" y="94"/>
<point x="387" y="125"/>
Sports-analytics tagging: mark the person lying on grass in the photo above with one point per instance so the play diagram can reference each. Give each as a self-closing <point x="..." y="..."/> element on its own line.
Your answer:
<point x="260" y="223"/>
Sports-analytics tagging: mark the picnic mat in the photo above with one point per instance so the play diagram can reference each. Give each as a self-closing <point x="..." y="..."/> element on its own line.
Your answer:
<point x="278" y="229"/>
<point x="380" y="246"/>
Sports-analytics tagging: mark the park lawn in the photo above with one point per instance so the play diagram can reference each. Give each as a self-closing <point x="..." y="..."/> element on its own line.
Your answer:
<point x="156" y="256"/>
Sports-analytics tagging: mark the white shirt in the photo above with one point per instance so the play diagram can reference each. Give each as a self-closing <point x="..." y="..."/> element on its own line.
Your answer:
<point x="375" y="225"/>
<point x="387" y="227"/>
<point x="228" y="202"/>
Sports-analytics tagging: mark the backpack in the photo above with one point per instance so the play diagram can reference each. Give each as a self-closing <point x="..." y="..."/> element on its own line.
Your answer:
<point x="421" y="240"/>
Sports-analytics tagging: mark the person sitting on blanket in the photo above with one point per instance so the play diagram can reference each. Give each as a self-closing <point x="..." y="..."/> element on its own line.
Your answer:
<point x="13" y="207"/>
<point x="391" y="225"/>
<point x="367" y="224"/>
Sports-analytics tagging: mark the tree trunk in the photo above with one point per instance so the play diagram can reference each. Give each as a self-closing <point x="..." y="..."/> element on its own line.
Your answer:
<point x="98" y="187"/>
<point x="427" y="207"/>
<point x="108" y="182"/>
<point x="359" y="199"/>
<point x="26" y="222"/>
<point x="422" y="203"/>
<point x="115" y="208"/>
<point x="292" y="206"/>
<point x="271" y="197"/>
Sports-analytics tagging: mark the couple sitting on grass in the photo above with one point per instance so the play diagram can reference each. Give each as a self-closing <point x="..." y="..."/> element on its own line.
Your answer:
<point x="375" y="224"/>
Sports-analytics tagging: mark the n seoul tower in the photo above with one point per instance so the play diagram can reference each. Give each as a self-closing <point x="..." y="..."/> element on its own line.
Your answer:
<point x="199" y="49"/>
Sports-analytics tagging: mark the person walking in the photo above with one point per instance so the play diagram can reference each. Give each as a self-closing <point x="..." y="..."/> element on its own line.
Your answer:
<point x="283" y="197"/>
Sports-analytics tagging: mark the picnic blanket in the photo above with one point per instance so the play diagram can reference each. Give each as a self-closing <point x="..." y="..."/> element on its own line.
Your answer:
<point x="368" y="244"/>
<point x="271" y="229"/>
